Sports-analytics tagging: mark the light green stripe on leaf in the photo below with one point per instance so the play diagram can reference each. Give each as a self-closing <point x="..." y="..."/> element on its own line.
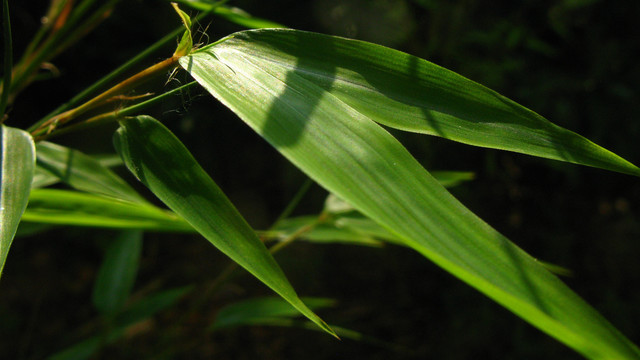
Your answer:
<point x="17" y="163"/>
<point x="73" y="208"/>
<point x="286" y="96"/>
<point x="161" y="162"/>
<point x="83" y="172"/>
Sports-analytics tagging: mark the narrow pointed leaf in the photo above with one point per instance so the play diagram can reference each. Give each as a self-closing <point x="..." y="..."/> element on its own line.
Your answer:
<point x="294" y="108"/>
<point x="186" y="43"/>
<point x="150" y="305"/>
<point x="325" y="232"/>
<point x="451" y="179"/>
<point x="83" y="172"/>
<point x="43" y="178"/>
<point x="251" y="311"/>
<point x="270" y="311"/>
<point x="231" y="14"/>
<point x="117" y="273"/>
<point x="137" y="312"/>
<point x="17" y="163"/>
<point x="409" y="93"/>
<point x="161" y="162"/>
<point x="73" y="208"/>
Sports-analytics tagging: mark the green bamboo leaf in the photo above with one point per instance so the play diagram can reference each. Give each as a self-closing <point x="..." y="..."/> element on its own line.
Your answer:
<point x="412" y="94"/>
<point x="161" y="162"/>
<point x="271" y="311"/>
<point x="117" y="273"/>
<point x="62" y="207"/>
<point x="136" y="312"/>
<point x="17" y="163"/>
<point x="252" y="311"/>
<point x="287" y="97"/>
<point x="150" y="305"/>
<point x="231" y="14"/>
<point x="43" y="178"/>
<point x="329" y="231"/>
<point x="186" y="43"/>
<point x="5" y="84"/>
<point x="83" y="172"/>
<point x="451" y="179"/>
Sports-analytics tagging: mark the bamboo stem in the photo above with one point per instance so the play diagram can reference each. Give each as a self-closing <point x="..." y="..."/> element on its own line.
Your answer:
<point x="136" y="80"/>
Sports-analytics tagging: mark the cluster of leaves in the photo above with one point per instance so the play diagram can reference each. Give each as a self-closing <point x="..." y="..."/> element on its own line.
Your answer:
<point x="320" y="101"/>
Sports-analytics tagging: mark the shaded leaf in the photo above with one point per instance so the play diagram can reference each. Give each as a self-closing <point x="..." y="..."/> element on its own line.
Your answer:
<point x="43" y="178"/>
<point x="17" y="163"/>
<point x="150" y="305"/>
<point x="137" y="312"/>
<point x="271" y="311"/>
<point x="82" y="172"/>
<point x="252" y="311"/>
<point x="281" y="83"/>
<point x="161" y="162"/>
<point x="63" y="207"/>
<point x="117" y="273"/>
<point x="451" y="179"/>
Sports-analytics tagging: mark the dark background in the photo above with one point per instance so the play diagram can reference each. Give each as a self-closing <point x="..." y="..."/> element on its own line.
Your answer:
<point x="570" y="61"/>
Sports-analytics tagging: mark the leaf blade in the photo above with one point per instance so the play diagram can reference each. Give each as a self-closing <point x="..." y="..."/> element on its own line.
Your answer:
<point x="161" y="162"/>
<point x="353" y="157"/>
<point x="117" y="273"/>
<point x="17" y="163"/>
<point x="73" y="208"/>
<point x="83" y="172"/>
<point x="408" y="93"/>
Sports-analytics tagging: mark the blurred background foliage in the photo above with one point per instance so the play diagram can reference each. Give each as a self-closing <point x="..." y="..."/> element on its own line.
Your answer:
<point x="571" y="61"/>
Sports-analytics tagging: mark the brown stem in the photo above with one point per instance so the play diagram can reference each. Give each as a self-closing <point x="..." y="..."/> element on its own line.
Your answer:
<point x="136" y="80"/>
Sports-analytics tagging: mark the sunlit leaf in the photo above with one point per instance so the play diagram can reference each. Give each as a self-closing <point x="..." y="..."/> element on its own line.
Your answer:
<point x="316" y="98"/>
<point x="62" y="207"/>
<point x="17" y="163"/>
<point x="161" y="162"/>
<point x="117" y="273"/>
<point x="82" y="172"/>
<point x="408" y="93"/>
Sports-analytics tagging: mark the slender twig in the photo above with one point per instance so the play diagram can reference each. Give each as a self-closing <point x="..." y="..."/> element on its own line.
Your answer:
<point x="294" y="202"/>
<point x="117" y="72"/>
<point x="119" y="89"/>
<point x="55" y="8"/>
<point x="25" y="70"/>
<point x="114" y="115"/>
<point x="8" y="58"/>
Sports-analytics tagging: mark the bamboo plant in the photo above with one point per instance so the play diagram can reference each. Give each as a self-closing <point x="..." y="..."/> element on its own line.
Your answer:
<point x="319" y="100"/>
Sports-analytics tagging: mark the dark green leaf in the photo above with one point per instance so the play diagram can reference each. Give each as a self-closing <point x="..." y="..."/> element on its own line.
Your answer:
<point x="252" y="311"/>
<point x="17" y="163"/>
<point x="137" y="312"/>
<point x="62" y="207"/>
<point x="161" y="162"/>
<point x="82" y="172"/>
<point x="117" y="273"/>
